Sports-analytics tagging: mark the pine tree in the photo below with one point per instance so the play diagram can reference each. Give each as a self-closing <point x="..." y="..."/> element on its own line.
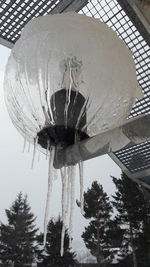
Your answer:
<point x="17" y="238"/>
<point x="143" y="250"/>
<point x="129" y="202"/>
<point x="51" y="255"/>
<point x="97" y="235"/>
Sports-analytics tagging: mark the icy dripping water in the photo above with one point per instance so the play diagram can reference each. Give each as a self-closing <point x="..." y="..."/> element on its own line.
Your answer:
<point x="67" y="174"/>
<point x="49" y="191"/>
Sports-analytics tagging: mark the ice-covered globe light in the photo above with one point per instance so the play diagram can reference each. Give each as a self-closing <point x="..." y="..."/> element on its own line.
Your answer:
<point x="69" y="74"/>
<point x="69" y="77"/>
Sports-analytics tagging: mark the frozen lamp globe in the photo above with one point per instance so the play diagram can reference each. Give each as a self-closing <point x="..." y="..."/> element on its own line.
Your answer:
<point x="68" y="78"/>
<point x="69" y="75"/>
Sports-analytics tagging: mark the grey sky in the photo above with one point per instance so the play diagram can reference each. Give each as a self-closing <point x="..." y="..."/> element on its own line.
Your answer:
<point x="16" y="174"/>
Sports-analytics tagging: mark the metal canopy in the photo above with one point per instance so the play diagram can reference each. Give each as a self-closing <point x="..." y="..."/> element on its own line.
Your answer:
<point x="14" y="14"/>
<point x="139" y="13"/>
<point x="124" y="17"/>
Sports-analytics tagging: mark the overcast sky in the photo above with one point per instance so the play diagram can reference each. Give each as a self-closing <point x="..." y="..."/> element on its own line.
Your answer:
<point x="16" y="174"/>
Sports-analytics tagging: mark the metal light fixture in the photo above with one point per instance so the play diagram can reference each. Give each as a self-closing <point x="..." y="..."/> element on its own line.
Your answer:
<point x="69" y="79"/>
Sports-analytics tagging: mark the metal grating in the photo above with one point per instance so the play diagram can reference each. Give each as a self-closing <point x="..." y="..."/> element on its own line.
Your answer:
<point x="114" y="16"/>
<point x="135" y="158"/>
<point x="14" y="14"/>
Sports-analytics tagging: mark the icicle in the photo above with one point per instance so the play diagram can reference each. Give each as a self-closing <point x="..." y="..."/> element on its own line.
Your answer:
<point x="34" y="151"/>
<point x="68" y="200"/>
<point x="24" y="145"/>
<point x="50" y="184"/>
<point x="29" y="145"/>
<point x="49" y="107"/>
<point x="68" y="189"/>
<point x="81" y="187"/>
<point x="39" y="155"/>
<point x="66" y="108"/>
<point x="64" y="177"/>
<point x="47" y="149"/>
<point x="68" y="91"/>
<point x="55" y="174"/>
<point x="64" y="195"/>
<point x="82" y="112"/>
<point x="72" y="201"/>
<point x="47" y="96"/>
<point x="62" y="240"/>
<point x="62" y="172"/>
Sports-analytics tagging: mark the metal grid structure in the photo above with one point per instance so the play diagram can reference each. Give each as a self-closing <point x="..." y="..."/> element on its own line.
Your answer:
<point x="136" y="158"/>
<point x="15" y="14"/>
<point x="133" y="159"/>
<point x="115" y="17"/>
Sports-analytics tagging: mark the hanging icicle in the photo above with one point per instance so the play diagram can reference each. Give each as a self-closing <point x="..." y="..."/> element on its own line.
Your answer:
<point x="34" y="151"/>
<point x="29" y="146"/>
<point x="49" y="191"/>
<point x="81" y="175"/>
<point x="64" y="179"/>
<point x="24" y="145"/>
<point x="72" y="201"/>
<point x="68" y="201"/>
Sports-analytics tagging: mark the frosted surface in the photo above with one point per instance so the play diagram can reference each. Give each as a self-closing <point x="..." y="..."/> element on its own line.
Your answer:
<point x="75" y="52"/>
<point x="78" y="54"/>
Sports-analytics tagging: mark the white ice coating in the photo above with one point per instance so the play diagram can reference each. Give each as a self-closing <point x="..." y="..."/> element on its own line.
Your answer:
<point x="49" y="191"/>
<point x="68" y="198"/>
<point x="68" y="201"/>
<point x="72" y="200"/>
<point x="34" y="151"/>
<point x="24" y="145"/>
<point x="75" y="52"/>
<point x="29" y="146"/>
<point x="81" y="175"/>
<point x="39" y="155"/>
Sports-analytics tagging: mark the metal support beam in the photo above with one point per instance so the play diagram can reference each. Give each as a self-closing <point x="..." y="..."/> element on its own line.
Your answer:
<point x="6" y="43"/>
<point x="134" y="13"/>
<point x="135" y="131"/>
<point x="62" y="6"/>
<point x="69" y="5"/>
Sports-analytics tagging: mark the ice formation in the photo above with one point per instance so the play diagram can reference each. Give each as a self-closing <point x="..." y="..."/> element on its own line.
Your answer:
<point x="36" y="69"/>
<point x="59" y="92"/>
<point x="67" y="198"/>
<point x="34" y="151"/>
<point x="81" y="175"/>
<point x="49" y="191"/>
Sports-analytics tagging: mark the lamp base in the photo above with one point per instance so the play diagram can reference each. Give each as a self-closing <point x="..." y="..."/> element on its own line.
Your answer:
<point x="63" y="131"/>
<point x="54" y="135"/>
